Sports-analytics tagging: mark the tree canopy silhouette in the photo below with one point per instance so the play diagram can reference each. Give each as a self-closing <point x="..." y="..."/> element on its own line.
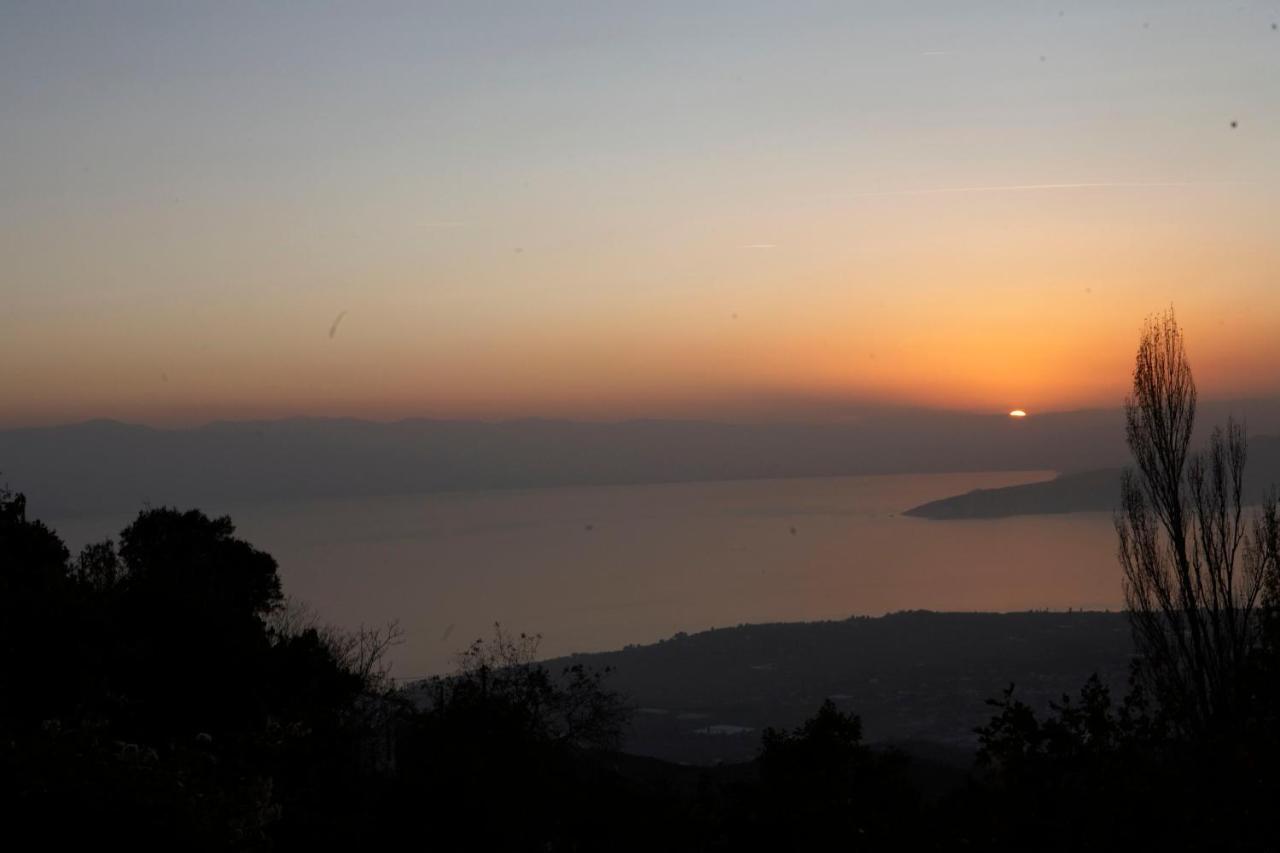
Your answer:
<point x="1195" y="562"/>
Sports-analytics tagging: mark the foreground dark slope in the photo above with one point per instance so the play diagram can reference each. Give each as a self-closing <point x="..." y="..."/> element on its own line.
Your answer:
<point x="916" y="677"/>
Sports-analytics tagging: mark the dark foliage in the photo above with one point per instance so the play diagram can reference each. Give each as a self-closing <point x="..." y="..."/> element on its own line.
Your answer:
<point x="164" y="693"/>
<point x="146" y="695"/>
<point x="821" y="786"/>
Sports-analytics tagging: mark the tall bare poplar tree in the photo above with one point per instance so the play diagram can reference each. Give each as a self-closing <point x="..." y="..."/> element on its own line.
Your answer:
<point x="1195" y="562"/>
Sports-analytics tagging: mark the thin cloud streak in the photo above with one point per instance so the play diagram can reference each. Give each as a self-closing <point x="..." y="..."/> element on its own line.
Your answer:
<point x="444" y="223"/>
<point x="1087" y="185"/>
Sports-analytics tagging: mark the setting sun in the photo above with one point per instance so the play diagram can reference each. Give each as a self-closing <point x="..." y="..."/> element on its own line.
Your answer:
<point x="1017" y="413"/>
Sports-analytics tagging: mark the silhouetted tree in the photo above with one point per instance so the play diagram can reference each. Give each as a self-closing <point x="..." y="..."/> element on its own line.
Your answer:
<point x="31" y="555"/>
<point x="98" y="566"/>
<point x="822" y="787"/>
<point x="502" y="676"/>
<point x="150" y="693"/>
<point x="190" y="559"/>
<point x="1087" y="773"/>
<point x="1194" y="767"/>
<point x="1195" y="563"/>
<point x="501" y="744"/>
<point x="39" y="664"/>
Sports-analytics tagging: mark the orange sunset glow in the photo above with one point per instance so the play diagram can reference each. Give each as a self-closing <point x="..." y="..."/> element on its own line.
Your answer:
<point x="755" y="246"/>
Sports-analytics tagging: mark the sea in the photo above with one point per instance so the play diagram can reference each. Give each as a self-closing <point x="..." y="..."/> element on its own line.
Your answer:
<point x="594" y="568"/>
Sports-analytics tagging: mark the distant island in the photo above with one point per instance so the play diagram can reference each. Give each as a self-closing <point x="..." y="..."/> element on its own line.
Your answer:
<point x="1089" y="491"/>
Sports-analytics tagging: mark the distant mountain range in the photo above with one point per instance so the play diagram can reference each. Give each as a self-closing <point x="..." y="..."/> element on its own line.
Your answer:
<point x="1089" y="491"/>
<point x="107" y="465"/>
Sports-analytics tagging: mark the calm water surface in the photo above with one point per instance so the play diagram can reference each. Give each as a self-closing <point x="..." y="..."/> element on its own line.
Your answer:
<point x="599" y="567"/>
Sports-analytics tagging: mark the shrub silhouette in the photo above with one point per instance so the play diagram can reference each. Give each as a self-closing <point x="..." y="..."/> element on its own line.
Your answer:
<point x="820" y="785"/>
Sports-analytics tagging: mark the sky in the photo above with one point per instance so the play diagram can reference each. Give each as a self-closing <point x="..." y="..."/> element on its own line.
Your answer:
<point x="611" y="210"/>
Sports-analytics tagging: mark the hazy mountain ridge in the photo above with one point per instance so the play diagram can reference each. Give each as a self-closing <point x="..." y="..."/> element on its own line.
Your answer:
<point x="99" y="465"/>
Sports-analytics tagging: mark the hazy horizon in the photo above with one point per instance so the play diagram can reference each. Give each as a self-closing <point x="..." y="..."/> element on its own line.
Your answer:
<point x="806" y="413"/>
